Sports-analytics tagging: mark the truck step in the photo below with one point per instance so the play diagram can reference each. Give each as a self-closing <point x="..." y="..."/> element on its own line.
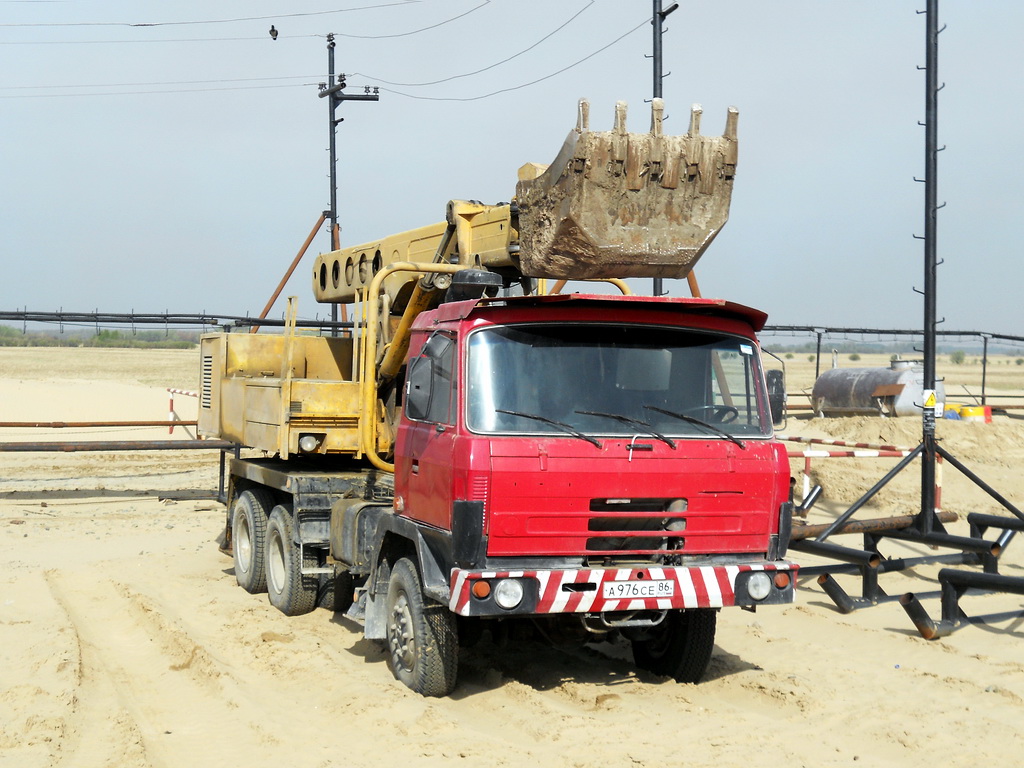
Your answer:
<point x="307" y="571"/>
<point x="357" y="611"/>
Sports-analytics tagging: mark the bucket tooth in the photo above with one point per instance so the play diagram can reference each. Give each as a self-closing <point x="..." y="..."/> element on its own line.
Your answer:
<point x="583" y="116"/>
<point x="620" y="204"/>
<point x="620" y="118"/>
<point x="657" y="116"/>
<point x="732" y="118"/>
<point x="695" y="114"/>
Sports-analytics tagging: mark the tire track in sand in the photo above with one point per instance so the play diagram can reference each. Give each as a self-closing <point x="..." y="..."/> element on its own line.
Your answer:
<point x="148" y="695"/>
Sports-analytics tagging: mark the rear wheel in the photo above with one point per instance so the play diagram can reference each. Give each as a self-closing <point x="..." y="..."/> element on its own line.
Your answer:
<point x="679" y="647"/>
<point x="337" y="592"/>
<point x="290" y="592"/>
<point x="423" y="644"/>
<point x="248" y="532"/>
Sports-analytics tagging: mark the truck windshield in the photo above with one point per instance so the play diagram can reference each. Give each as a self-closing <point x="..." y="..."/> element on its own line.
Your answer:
<point x="662" y="381"/>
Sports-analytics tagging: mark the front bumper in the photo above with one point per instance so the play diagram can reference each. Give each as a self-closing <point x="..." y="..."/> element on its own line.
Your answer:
<point x="583" y="591"/>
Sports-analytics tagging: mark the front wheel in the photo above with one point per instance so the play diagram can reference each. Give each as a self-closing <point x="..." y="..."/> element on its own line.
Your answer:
<point x="679" y="647"/>
<point x="423" y="644"/>
<point x="290" y="592"/>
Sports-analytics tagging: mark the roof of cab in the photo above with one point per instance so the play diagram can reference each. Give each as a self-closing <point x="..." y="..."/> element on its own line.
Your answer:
<point x="460" y="310"/>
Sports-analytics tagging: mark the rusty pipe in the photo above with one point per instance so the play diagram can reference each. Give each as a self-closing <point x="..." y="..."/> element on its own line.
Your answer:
<point x="875" y="525"/>
<point x="116" y="445"/>
<point x="291" y="268"/>
<point x="63" y="424"/>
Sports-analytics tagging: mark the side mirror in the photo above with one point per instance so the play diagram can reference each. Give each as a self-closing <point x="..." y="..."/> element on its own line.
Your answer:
<point x="417" y="388"/>
<point x="776" y="381"/>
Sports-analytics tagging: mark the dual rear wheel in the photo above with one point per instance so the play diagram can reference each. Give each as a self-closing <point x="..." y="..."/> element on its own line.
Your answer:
<point x="248" y="538"/>
<point x="267" y="555"/>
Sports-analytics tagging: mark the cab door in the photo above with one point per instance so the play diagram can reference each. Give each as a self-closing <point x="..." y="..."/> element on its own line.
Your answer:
<point x="426" y="436"/>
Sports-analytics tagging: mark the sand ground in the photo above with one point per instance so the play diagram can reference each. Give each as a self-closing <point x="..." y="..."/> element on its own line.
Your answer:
<point x="124" y="640"/>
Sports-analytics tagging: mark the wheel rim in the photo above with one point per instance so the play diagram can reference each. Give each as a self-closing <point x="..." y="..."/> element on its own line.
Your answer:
<point x="243" y="543"/>
<point x="658" y="642"/>
<point x="276" y="564"/>
<point x="401" y="639"/>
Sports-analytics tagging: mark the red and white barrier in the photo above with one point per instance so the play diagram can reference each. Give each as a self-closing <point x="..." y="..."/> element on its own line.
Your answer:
<point x="171" y="415"/>
<point x="864" y="451"/>
<point x="842" y="443"/>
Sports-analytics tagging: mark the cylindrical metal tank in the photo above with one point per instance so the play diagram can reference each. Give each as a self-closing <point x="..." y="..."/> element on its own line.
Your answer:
<point x="894" y="391"/>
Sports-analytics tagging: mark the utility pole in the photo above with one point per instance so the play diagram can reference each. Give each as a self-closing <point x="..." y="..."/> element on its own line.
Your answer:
<point x="333" y="91"/>
<point x="657" y="18"/>
<point x="931" y="210"/>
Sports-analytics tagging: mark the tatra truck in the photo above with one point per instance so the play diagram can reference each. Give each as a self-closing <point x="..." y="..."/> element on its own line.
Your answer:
<point x="480" y="449"/>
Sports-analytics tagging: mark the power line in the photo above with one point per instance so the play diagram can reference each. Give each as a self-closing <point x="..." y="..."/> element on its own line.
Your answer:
<point x="522" y="85"/>
<point x="415" y="31"/>
<point x="206" y="21"/>
<point x="147" y="93"/>
<point x="158" y="83"/>
<point x="261" y="38"/>
<point x="225" y="21"/>
<point x="292" y="85"/>
<point x="484" y="69"/>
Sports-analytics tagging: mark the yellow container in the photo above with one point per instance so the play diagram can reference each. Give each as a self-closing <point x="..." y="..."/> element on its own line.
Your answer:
<point x="982" y="413"/>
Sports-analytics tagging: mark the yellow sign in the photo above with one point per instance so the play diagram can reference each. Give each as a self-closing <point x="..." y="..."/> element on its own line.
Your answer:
<point x="929" y="398"/>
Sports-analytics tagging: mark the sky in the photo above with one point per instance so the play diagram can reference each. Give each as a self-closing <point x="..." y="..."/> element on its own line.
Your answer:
<point x="173" y="157"/>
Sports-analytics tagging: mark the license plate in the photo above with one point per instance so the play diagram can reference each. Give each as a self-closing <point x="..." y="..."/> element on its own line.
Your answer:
<point x="637" y="590"/>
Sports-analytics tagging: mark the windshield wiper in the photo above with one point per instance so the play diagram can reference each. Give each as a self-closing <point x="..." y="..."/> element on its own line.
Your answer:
<point x="699" y="423"/>
<point x="560" y="424"/>
<point x="643" y="426"/>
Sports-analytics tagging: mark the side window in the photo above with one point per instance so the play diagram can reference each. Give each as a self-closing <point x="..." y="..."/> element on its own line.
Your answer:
<point x="434" y="371"/>
<point x="733" y="383"/>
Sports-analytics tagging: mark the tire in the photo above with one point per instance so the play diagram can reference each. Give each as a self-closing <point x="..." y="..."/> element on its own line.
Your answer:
<point x="290" y="592"/>
<point x="248" y="534"/>
<point x="337" y="592"/>
<point x="422" y="640"/>
<point x="680" y="647"/>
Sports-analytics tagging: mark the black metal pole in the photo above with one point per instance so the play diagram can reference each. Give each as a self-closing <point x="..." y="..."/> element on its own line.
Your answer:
<point x="925" y="521"/>
<point x="332" y="106"/>
<point x="984" y="364"/>
<point x="817" y="358"/>
<point x="657" y="17"/>
<point x="333" y="92"/>
<point x="656" y="51"/>
<point x="656" y="20"/>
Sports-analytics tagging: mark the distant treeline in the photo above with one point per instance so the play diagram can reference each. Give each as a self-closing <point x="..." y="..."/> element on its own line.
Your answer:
<point x="14" y="337"/>
<point x="906" y="350"/>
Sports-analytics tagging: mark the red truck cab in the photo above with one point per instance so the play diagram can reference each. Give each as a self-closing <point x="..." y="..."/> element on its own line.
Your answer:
<point x="601" y="457"/>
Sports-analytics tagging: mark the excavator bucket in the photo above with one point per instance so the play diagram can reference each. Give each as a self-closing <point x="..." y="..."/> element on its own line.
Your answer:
<point x="618" y="204"/>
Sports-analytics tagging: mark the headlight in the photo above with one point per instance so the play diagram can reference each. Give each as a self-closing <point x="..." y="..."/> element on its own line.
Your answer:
<point x="309" y="443"/>
<point x="508" y="593"/>
<point x="759" y="585"/>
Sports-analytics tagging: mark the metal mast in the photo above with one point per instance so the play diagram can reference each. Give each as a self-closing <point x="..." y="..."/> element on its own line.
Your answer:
<point x="657" y="17"/>
<point x="333" y="91"/>
<point x="931" y="209"/>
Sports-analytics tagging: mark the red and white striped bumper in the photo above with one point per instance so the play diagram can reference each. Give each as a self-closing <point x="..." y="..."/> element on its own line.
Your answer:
<point x="581" y="591"/>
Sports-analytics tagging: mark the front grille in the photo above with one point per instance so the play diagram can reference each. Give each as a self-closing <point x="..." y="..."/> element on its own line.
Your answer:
<point x="637" y="526"/>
